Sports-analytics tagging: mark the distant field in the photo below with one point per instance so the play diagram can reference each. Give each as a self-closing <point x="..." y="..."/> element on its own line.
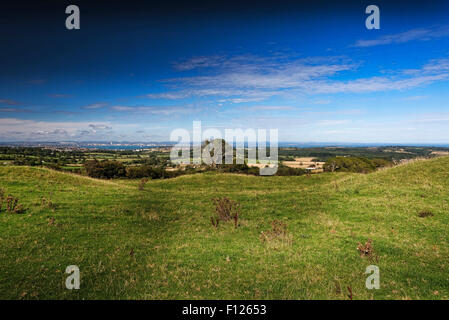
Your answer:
<point x="305" y="162"/>
<point x="388" y="152"/>
<point x="159" y="243"/>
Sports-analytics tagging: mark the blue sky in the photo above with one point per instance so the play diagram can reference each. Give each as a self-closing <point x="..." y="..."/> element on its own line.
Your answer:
<point x="135" y="72"/>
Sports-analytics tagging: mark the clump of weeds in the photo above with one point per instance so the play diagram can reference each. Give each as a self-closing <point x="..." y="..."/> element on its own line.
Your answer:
<point x="425" y="214"/>
<point x="278" y="234"/>
<point x="225" y="210"/>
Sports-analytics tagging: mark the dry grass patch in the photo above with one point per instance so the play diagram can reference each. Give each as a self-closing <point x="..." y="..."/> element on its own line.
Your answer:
<point x="278" y="233"/>
<point x="142" y="183"/>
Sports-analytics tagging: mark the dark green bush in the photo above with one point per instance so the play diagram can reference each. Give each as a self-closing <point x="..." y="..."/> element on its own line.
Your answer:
<point x="153" y="172"/>
<point x="287" y="171"/>
<point x="105" y="169"/>
<point x="355" y="164"/>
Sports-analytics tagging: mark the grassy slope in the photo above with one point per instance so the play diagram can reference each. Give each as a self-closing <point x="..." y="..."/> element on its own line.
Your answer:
<point x="178" y="254"/>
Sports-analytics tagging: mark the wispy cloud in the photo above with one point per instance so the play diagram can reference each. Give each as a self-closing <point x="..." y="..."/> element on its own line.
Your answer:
<point x="422" y="34"/>
<point x="99" y="127"/>
<point x="321" y="101"/>
<point x="155" y="110"/>
<point x="332" y="122"/>
<point x="28" y="130"/>
<point x="415" y="98"/>
<point x="269" y="108"/>
<point x="240" y="100"/>
<point x="9" y="102"/>
<point x="200" y="62"/>
<point x="97" y="105"/>
<point x="249" y="79"/>
<point x="14" y="110"/>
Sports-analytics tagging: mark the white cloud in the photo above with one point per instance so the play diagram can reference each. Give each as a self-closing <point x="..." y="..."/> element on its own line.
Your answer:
<point x="415" y="98"/>
<point x="95" y="106"/>
<point x="200" y="62"/>
<point x="423" y="34"/>
<point x="244" y="79"/>
<point x="332" y="122"/>
<point x="27" y="130"/>
<point x="9" y="102"/>
<point x="269" y="108"/>
<point x="15" y="110"/>
<point x="96" y="127"/>
<point x="321" y="101"/>
<point x="155" y="110"/>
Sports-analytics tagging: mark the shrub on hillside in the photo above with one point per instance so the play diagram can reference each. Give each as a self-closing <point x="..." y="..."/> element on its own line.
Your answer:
<point x="238" y="168"/>
<point x="105" y="169"/>
<point x="153" y="172"/>
<point x="138" y="172"/>
<point x="287" y="171"/>
<point x="380" y="162"/>
<point x="354" y="164"/>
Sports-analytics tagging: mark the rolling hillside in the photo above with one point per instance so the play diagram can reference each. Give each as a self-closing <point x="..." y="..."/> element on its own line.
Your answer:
<point x="159" y="243"/>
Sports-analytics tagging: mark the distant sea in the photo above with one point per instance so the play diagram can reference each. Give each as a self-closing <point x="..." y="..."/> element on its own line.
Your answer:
<point x="150" y="145"/>
<point x="127" y="147"/>
<point x="283" y="145"/>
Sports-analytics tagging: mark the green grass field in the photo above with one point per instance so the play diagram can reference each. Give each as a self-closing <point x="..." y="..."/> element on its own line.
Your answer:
<point x="159" y="243"/>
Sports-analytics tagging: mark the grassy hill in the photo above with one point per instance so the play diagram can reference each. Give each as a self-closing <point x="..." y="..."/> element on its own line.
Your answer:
<point x="159" y="242"/>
